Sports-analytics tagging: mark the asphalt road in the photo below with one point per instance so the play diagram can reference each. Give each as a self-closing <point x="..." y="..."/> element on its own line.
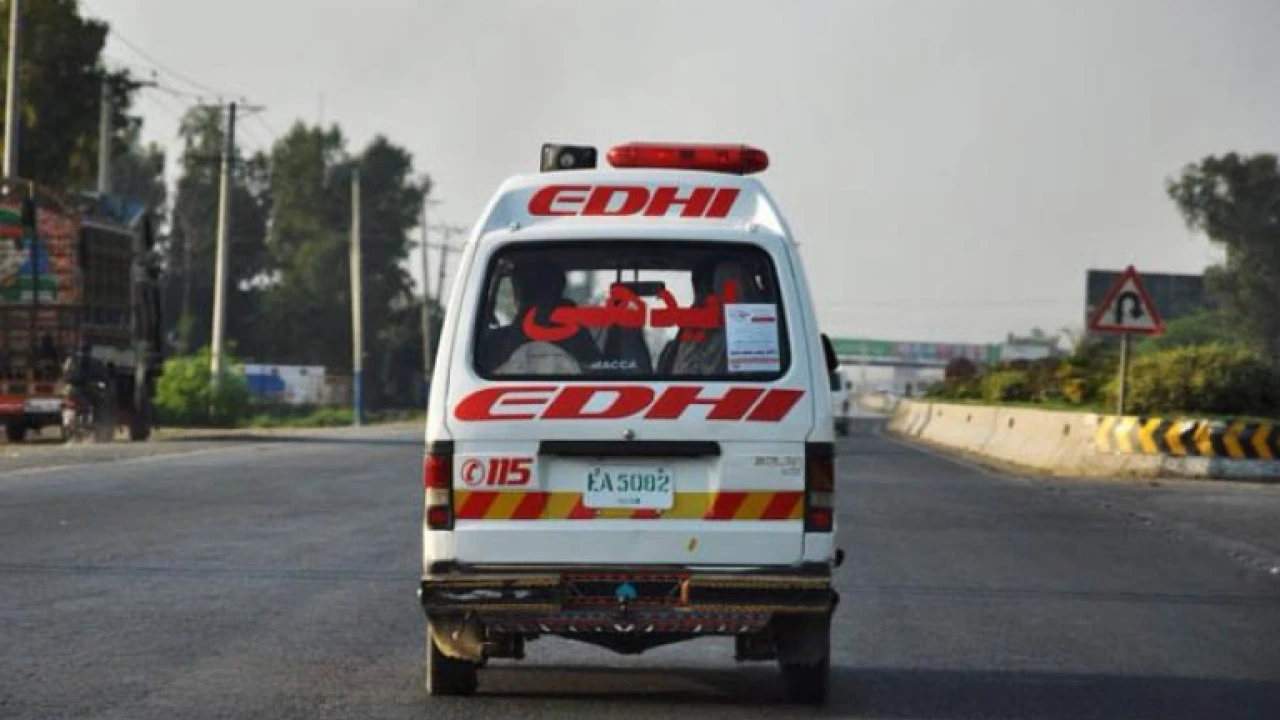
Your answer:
<point x="276" y="579"/>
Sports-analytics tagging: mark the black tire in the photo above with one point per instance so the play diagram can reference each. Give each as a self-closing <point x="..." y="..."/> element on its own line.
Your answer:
<point x="445" y="675"/>
<point x="140" y="423"/>
<point x="104" y="414"/>
<point x="804" y="657"/>
<point x="139" y="431"/>
<point x="15" y="431"/>
<point x="807" y="684"/>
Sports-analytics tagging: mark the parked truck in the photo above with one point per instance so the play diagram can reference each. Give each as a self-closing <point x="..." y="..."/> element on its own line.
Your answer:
<point x="80" y="332"/>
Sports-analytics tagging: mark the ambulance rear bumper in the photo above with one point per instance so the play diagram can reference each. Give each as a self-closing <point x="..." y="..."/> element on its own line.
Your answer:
<point x="549" y="592"/>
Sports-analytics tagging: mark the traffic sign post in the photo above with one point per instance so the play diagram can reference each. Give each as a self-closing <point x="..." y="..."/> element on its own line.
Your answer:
<point x="1126" y="309"/>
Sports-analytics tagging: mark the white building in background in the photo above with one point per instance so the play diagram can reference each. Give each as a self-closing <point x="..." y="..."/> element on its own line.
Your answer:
<point x="287" y="384"/>
<point x="1025" y="351"/>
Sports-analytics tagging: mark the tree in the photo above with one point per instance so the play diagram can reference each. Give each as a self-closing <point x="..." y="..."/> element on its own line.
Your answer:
<point x="137" y="173"/>
<point x="309" y="302"/>
<point x="1235" y="201"/>
<point x="60" y="78"/>
<point x="960" y="369"/>
<point x="1203" y="328"/>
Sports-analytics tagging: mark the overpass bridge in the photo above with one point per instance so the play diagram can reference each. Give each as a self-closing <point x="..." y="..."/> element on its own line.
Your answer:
<point x="909" y="362"/>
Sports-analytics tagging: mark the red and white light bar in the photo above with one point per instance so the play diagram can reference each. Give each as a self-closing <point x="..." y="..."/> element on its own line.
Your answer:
<point x="711" y="157"/>
<point x="736" y="159"/>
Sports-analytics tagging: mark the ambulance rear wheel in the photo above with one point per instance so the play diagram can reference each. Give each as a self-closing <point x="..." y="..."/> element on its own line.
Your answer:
<point x="807" y="684"/>
<point x="804" y="657"/>
<point x="446" y="675"/>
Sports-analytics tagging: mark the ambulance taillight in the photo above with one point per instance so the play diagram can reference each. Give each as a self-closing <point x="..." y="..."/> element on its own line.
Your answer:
<point x="437" y="481"/>
<point x="736" y="159"/>
<point x="819" y="487"/>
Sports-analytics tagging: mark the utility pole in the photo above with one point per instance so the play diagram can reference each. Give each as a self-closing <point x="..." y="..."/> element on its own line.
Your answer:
<point x="357" y="326"/>
<point x="186" y="278"/>
<point x="104" y="137"/>
<point x="428" y="346"/>
<point x="13" y="113"/>
<point x="448" y="232"/>
<point x="106" y="108"/>
<point x="220" y="261"/>
<point x="1124" y="374"/>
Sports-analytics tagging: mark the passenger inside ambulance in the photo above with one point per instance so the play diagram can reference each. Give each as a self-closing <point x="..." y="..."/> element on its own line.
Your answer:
<point x="640" y="312"/>
<point x="704" y="352"/>
<point x="538" y="286"/>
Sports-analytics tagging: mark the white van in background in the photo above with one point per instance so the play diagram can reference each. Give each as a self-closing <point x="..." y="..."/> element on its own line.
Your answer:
<point x="841" y="400"/>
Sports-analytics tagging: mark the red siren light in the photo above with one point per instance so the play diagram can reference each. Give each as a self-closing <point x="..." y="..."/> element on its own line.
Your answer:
<point x="736" y="159"/>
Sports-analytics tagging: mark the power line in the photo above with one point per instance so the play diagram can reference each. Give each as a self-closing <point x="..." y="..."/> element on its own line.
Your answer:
<point x="165" y="107"/>
<point x="265" y="126"/>
<point x="195" y="98"/>
<point x="198" y="98"/>
<point x="255" y="136"/>
<point x="164" y="68"/>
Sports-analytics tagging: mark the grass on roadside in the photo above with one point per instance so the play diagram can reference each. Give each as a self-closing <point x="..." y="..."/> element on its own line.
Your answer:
<point x="1098" y="408"/>
<point x="323" y="417"/>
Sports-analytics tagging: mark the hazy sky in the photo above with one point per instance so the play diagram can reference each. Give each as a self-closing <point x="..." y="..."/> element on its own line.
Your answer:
<point x="951" y="169"/>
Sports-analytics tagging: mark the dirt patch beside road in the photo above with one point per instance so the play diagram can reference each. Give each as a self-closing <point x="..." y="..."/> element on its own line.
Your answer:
<point x="170" y="441"/>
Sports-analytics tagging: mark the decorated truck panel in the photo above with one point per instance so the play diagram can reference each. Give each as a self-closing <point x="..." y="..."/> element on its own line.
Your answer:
<point x="77" y="289"/>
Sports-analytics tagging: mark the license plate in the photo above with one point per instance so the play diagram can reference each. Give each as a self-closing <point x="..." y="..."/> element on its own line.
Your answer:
<point x="630" y="487"/>
<point x="44" y="405"/>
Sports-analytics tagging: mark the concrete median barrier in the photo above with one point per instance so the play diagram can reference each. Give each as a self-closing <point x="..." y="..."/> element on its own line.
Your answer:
<point x="1090" y="445"/>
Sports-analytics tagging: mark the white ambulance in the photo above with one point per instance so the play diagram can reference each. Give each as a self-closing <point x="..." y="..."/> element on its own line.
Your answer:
<point x="632" y="442"/>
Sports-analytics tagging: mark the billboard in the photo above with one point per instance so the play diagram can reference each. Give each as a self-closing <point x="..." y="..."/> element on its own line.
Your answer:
<point x="921" y="353"/>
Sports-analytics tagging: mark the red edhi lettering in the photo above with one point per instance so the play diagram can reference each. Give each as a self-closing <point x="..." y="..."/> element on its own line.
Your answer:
<point x="571" y="403"/>
<point x="529" y="402"/>
<point x="622" y="200"/>
<point x="482" y="404"/>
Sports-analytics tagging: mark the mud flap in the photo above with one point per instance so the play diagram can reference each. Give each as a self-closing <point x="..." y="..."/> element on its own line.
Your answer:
<point x="460" y="637"/>
<point x="802" y="639"/>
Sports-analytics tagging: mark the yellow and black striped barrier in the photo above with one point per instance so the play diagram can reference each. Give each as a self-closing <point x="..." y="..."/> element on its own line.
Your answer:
<point x="1234" y="439"/>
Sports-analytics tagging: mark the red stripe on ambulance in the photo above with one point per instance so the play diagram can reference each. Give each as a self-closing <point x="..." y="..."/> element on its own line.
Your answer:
<point x="726" y="505"/>
<point x="781" y="506"/>
<point x="530" y="507"/>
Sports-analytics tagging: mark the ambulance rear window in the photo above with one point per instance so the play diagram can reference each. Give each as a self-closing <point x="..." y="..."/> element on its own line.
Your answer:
<point x="631" y="310"/>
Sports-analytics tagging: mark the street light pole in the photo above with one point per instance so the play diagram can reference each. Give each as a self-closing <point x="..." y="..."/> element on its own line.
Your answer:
<point x="13" y="113"/>
<point x="357" y="302"/>
<point x="220" y="256"/>
<point x="104" y="137"/>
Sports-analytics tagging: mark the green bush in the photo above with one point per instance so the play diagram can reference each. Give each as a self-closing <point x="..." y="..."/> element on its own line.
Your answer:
<point x="960" y="370"/>
<point x="185" y="395"/>
<point x="1203" y="328"/>
<point x="1204" y="379"/>
<point x="305" y="418"/>
<point x="1083" y="377"/>
<point x="1006" y="386"/>
<point x="954" y="389"/>
<point x="1042" y="380"/>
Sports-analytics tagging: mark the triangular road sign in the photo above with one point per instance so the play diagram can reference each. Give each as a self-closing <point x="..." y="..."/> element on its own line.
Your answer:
<point x="1127" y="308"/>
